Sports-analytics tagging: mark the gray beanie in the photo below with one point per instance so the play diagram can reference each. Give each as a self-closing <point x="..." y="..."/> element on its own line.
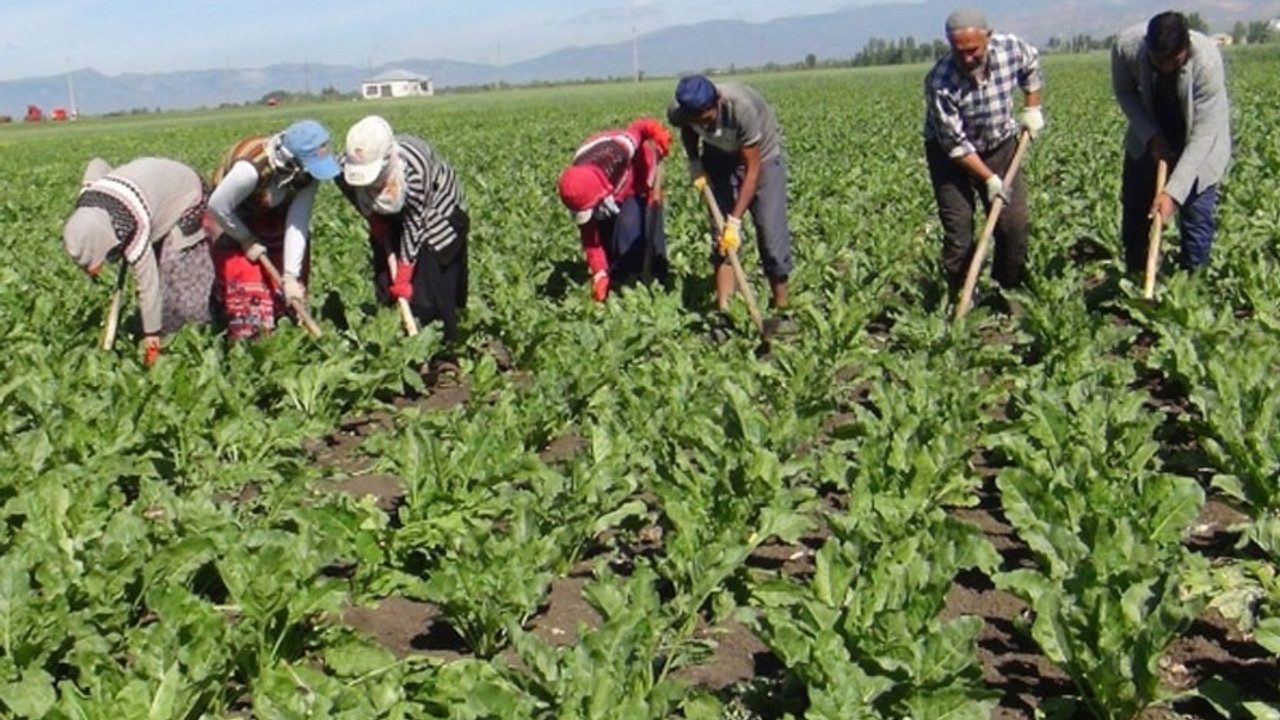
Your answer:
<point x="965" y="19"/>
<point x="88" y="236"/>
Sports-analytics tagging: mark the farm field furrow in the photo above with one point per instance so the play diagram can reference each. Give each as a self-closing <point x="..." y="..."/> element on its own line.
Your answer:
<point x="1072" y="509"/>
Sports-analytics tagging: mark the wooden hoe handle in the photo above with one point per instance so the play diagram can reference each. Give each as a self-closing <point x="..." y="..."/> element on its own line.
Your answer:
<point x="1153" y="241"/>
<point x="113" y="310"/>
<point x="738" y="274"/>
<point x="406" y="313"/>
<point x="993" y="215"/>
<point x="298" y="307"/>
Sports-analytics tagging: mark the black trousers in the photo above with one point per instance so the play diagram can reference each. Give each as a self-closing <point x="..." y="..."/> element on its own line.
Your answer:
<point x="439" y="280"/>
<point x="957" y="194"/>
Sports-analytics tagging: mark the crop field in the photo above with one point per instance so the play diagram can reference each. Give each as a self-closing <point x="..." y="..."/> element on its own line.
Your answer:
<point x="1073" y="510"/>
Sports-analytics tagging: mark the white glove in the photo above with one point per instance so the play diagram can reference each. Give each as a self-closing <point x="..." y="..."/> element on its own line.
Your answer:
<point x="607" y="208"/>
<point x="1032" y="119"/>
<point x="996" y="189"/>
<point x="255" y="251"/>
<point x="293" y="289"/>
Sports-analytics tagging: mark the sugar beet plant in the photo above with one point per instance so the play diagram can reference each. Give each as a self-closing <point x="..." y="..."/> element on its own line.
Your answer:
<point x="169" y="547"/>
<point x="1110" y="589"/>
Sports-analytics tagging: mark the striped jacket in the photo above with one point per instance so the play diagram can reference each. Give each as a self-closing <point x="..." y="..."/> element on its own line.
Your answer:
<point x="432" y="198"/>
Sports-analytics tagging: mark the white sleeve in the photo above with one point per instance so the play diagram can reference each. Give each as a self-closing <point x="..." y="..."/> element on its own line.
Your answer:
<point x="298" y="228"/>
<point x="237" y="185"/>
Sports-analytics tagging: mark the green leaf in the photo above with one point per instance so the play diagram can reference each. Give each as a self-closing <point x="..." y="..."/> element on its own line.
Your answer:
<point x="702" y="707"/>
<point x="614" y="518"/>
<point x="1262" y="710"/>
<point x="357" y="658"/>
<point x="1267" y="634"/>
<point x="164" y="702"/>
<point x="948" y="704"/>
<point x="32" y="697"/>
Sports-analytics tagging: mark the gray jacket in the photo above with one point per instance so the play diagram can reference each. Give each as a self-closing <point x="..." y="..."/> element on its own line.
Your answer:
<point x="158" y="192"/>
<point x="1203" y="91"/>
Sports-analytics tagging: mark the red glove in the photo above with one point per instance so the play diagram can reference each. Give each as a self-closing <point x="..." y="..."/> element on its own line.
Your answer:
<point x="151" y="344"/>
<point x="600" y="285"/>
<point x="402" y="286"/>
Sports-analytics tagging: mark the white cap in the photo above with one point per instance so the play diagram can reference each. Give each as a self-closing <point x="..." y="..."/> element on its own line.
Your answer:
<point x="370" y="143"/>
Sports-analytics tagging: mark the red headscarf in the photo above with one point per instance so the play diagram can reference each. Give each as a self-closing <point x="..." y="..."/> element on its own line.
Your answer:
<point x="582" y="187"/>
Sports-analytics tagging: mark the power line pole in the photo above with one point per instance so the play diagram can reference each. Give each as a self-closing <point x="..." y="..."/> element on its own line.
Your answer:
<point x="71" y="92"/>
<point x="635" y="53"/>
<point x="497" y="62"/>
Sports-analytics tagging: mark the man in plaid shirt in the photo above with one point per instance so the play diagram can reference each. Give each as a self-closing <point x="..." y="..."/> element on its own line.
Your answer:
<point x="971" y="137"/>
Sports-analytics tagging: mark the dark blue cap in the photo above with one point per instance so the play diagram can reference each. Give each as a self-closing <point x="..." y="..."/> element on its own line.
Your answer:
<point x="695" y="93"/>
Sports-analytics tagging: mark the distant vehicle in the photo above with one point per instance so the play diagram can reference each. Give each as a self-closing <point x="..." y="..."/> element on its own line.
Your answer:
<point x="34" y="114"/>
<point x="58" y="115"/>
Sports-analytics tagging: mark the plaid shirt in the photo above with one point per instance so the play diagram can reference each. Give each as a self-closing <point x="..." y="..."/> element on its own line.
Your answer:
<point x="964" y="115"/>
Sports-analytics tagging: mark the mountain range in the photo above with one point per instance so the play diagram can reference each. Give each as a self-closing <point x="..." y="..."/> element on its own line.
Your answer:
<point x="720" y="44"/>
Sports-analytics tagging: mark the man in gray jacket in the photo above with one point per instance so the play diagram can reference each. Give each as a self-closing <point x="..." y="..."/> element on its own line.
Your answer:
<point x="1169" y="82"/>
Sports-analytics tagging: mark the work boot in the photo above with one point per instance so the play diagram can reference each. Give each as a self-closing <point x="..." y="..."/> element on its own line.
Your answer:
<point x="442" y="371"/>
<point x="780" y="325"/>
<point x="719" y="328"/>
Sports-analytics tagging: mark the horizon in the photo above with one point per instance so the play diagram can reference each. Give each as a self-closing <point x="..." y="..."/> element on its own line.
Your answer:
<point x="90" y="89"/>
<point x="57" y="37"/>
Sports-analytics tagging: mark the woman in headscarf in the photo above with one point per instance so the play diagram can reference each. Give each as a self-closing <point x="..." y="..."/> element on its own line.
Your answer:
<point x="264" y="190"/>
<point x="608" y="186"/>
<point x="418" y="225"/>
<point x="148" y="213"/>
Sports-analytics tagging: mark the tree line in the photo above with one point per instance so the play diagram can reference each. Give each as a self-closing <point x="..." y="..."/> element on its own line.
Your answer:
<point x="907" y="50"/>
<point x="1254" y="33"/>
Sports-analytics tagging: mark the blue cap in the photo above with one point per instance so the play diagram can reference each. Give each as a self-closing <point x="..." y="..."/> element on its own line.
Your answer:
<point x="308" y="142"/>
<point x="695" y="93"/>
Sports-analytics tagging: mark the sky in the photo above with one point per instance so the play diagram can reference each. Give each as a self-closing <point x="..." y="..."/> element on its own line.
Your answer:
<point x="50" y="37"/>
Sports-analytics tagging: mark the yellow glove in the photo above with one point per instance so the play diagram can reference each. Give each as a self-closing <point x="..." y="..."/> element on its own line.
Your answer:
<point x="731" y="236"/>
<point x="700" y="182"/>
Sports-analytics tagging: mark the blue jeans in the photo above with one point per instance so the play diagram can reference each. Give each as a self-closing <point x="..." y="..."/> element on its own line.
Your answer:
<point x="1196" y="217"/>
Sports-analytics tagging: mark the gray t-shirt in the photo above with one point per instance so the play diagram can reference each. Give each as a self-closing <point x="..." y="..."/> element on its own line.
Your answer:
<point x="744" y="118"/>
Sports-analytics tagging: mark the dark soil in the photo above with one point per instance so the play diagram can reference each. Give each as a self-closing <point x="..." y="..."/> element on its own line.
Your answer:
<point x="741" y="664"/>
